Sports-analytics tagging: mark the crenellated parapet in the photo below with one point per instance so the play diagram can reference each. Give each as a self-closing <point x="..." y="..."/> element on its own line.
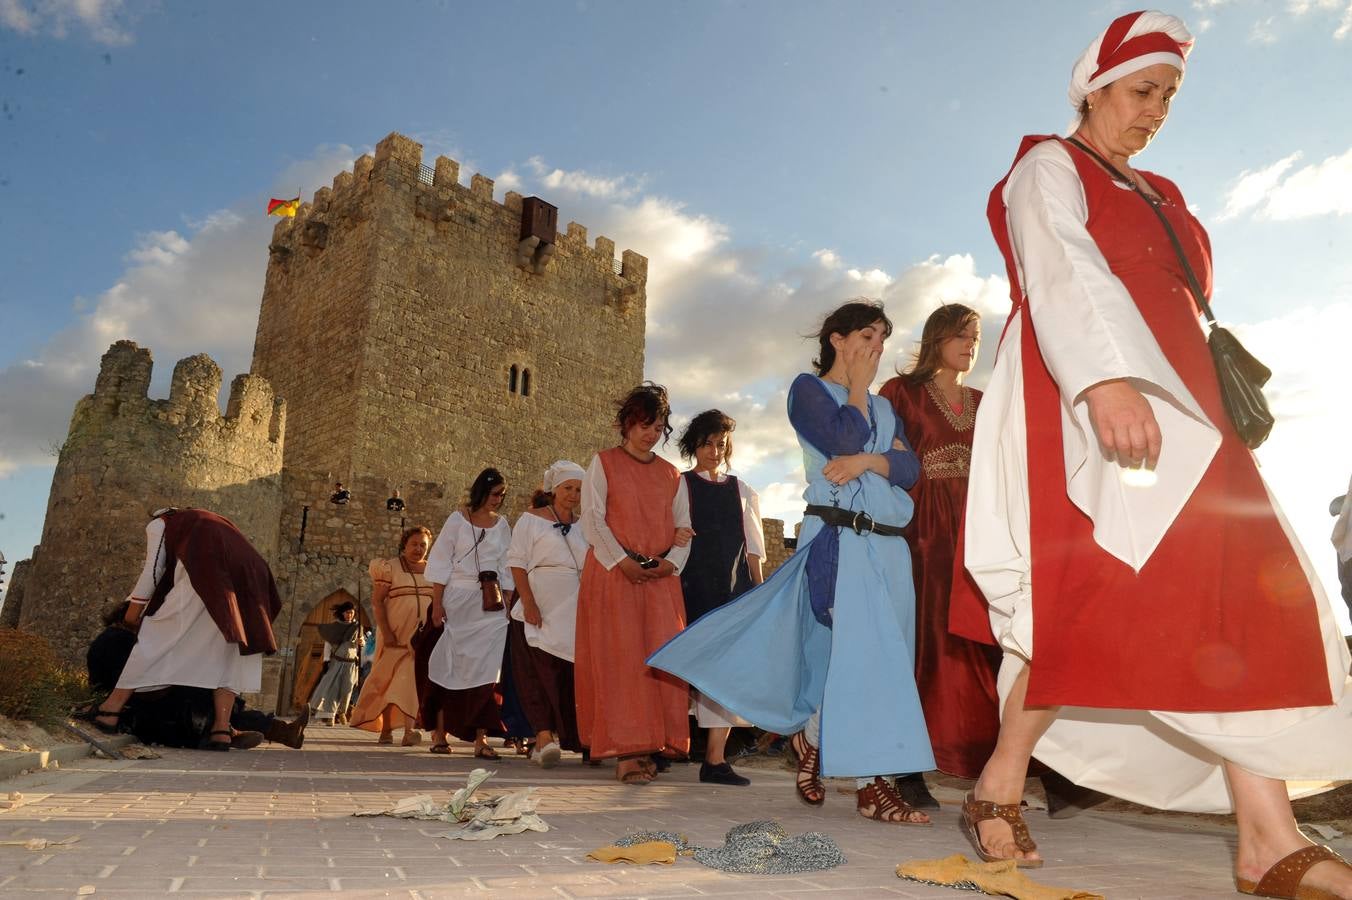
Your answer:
<point x="435" y="194"/>
<point x="248" y="436"/>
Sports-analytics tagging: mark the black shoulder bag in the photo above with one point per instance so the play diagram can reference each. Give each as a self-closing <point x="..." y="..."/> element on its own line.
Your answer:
<point x="1241" y="376"/>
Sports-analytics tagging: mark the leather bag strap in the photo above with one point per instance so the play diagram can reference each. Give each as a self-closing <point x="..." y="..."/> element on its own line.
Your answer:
<point x="1168" y="229"/>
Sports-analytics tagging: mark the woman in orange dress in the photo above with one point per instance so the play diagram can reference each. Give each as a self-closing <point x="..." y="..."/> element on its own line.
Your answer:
<point x="629" y="601"/>
<point x="399" y="594"/>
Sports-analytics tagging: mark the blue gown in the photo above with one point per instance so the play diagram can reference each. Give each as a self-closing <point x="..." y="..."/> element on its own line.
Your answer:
<point x="768" y="658"/>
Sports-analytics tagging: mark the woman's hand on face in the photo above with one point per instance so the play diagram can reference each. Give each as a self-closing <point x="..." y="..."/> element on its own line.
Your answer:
<point x="845" y="468"/>
<point x="861" y="365"/>
<point x="682" y="537"/>
<point x="633" y="571"/>
<point x="1124" y="423"/>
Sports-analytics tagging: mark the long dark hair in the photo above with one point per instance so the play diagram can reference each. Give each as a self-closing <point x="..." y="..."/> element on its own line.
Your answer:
<point x="707" y="424"/>
<point x="483" y="485"/>
<point x="844" y="320"/>
<point x="945" y="322"/>
<point x="644" y="405"/>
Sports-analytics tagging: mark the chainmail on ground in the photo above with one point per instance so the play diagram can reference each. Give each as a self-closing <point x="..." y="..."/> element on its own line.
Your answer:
<point x="756" y="848"/>
<point x="681" y="842"/>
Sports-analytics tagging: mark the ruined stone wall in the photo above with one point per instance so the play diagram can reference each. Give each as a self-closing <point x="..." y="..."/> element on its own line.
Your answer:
<point x="775" y="552"/>
<point x="441" y="312"/>
<point x="9" y="613"/>
<point x="126" y="455"/>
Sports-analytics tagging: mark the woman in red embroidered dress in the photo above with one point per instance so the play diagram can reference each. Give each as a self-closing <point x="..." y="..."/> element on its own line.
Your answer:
<point x="955" y="675"/>
<point x="1185" y="657"/>
<point x="629" y="601"/>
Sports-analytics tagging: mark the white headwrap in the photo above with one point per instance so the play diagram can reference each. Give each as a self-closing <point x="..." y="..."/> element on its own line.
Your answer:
<point x="562" y="471"/>
<point x="1133" y="42"/>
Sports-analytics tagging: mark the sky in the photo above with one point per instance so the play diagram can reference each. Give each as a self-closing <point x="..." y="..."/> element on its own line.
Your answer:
<point x="772" y="159"/>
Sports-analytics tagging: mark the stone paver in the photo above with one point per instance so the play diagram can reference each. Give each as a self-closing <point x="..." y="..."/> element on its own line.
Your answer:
<point x="278" y="823"/>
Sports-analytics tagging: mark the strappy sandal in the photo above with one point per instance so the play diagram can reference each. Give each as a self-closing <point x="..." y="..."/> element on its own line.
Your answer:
<point x="486" y="752"/>
<point x="637" y="776"/>
<point x="886" y="805"/>
<point x="94" y="713"/>
<point x="386" y="737"/>
<point x="976" y="811"/>
<point x="218" y="746"/>
<point x="1283" y="879"/>
<point x="809" y="782"/>
<point x="440" y="749"/>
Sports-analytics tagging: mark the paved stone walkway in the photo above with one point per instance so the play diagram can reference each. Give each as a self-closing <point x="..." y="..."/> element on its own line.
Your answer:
<point x="273" y="822"/>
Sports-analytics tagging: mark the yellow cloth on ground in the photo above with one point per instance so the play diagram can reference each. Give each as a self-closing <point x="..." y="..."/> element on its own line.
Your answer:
<point x="647" y="853"/>
<point x="1000" y="879"/>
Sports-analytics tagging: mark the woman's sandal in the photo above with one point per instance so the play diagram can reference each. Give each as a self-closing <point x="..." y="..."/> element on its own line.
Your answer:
<point x="94" y="713"/>
<point x="976" y="811"/>
<point x="441" y="749"/>
<point x="386" y="737"/>
<point x="1283" y="879"/>
<point x="486" y="752"/>
<point x="218" y="746"/>
<point x="639" y="775"/>
<point x="887" y="805"/>
<point x="809" y="782"/>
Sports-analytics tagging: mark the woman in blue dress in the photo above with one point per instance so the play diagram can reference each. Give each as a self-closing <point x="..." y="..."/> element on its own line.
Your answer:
<point x="822" y="649"/>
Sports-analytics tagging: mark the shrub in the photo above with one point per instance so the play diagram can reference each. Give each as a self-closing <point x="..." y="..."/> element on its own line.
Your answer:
<point x="35" y="685"/>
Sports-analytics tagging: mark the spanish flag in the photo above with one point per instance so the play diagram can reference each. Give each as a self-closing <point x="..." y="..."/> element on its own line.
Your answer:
<point x="283" y="207"/>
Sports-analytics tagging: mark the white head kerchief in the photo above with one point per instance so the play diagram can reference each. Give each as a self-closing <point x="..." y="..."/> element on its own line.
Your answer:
<point x="1131" y="43"/>
<point x="562" y="471"/>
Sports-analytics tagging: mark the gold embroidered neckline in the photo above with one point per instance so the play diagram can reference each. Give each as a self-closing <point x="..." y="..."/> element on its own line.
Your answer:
<point x="960" y="422"/>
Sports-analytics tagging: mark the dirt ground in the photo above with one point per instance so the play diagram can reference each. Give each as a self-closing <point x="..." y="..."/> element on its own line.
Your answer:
<point x="22" y="736"/>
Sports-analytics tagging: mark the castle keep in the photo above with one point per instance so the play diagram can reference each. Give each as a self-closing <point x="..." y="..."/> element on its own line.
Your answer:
<point x="412" y="331"/>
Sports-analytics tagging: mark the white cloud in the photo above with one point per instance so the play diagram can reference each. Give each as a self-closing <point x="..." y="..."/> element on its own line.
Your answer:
<point x="1306" y="460"/>
<point x="585" y="183"/>
<point x="103" y="20"/>
<point x="1263" y="31"/>
<point x="194" y="290"/>
<point x="1341" y="7"/>
<point x="1281" y="192"/>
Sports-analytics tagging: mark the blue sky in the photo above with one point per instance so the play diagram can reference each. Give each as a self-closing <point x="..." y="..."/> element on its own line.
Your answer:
<point x="771" y="159"/>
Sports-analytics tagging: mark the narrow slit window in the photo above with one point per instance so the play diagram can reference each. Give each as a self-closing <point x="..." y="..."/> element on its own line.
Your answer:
<point x="525" y="382"/>
<point x="511" y="379"/>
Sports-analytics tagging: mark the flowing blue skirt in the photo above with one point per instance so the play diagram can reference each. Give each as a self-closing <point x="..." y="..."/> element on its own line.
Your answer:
<point x="765" y="657"/>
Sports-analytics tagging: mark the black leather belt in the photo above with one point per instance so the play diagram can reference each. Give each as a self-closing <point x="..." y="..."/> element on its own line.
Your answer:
<point x="646" y="562"/>
<point x="858" y="520"/>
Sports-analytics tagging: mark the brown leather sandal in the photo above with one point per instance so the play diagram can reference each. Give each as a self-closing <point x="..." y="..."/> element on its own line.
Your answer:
<point x="809" y="782"/>
<point x="887" y="804"/>
<point x="976" y="811"/>
<point x="1283" y="879"/>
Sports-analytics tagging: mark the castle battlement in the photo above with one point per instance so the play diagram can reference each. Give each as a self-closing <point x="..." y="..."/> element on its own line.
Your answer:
<point x="253" y="423"/>
<point x="436" y="194"/>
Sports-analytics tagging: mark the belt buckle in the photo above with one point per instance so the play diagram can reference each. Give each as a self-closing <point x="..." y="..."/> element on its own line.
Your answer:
<point x="867" y="521"/>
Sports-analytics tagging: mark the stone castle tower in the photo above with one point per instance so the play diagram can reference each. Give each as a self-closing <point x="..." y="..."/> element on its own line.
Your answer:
<point x="410" y="343"/>
<point x="417" y="330"/>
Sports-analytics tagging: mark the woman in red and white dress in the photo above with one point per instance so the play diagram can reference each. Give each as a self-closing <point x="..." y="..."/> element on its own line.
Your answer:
<point x="1185" y="656"/>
